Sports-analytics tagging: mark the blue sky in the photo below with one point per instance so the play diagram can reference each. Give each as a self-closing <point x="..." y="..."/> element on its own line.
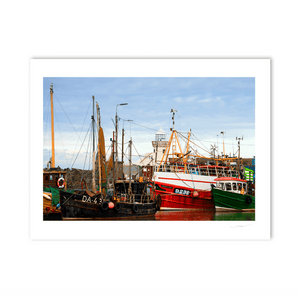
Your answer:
<point x="207" y="106"/>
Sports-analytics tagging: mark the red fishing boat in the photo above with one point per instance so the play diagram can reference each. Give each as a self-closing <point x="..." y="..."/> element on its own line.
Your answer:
<point x="180" y="181"/>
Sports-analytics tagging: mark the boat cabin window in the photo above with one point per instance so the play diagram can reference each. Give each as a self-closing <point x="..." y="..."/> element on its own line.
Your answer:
<point x="213" y="172"/>
<point x="203" y="171"/>
<point x="228" y="186"/>
<point x="194" y="171"/>
<point x="221" y="185"/>
<point x="242" y="185"/>
<point x="50" y="177"/>
<point x="234" y="187"/>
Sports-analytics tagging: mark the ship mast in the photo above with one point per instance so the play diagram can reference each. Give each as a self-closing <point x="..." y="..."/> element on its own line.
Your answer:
<point x="99" y="152"/>
<point x="52" y="127"/>
<point x="172" y="143"/>
<point x="93" y="125"/>
<point x="239" y="161"/>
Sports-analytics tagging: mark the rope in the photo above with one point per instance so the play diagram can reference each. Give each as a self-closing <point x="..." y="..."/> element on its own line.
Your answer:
<point x="199" y="141"/>
<point x="139" y="125"/>
<point x="194" y="143"/>
<point x="81" y="147"/>
<point x="136" y="150"/>
<point x="47" y="113"/>
<point x="56" y="119"/>
<point x="81" y="129"/>
<point x="87" y="151"/>
<point x="67" y="200"/>
<point x="66" y="114"/>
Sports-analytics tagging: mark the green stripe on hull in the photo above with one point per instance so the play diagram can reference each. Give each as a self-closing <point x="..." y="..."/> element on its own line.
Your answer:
<point x="232" y="200"/>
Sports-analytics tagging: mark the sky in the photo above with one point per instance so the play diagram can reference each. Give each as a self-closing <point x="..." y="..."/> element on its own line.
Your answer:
<point x="206" y="106"/>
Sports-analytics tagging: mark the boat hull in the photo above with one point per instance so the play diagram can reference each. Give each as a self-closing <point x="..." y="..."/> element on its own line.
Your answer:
<point x="234" y="201"/>
<point x="171" y="201"/>
<point x="184" y="191"/>
<point x="83" y="206"/>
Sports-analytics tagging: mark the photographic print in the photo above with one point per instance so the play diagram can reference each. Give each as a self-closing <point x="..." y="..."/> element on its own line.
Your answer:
<point x="149" y="148"/>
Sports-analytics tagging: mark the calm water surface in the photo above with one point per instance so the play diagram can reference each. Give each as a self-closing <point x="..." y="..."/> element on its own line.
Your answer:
<point x="188" y="215"/>
<point x="204" y="215"/>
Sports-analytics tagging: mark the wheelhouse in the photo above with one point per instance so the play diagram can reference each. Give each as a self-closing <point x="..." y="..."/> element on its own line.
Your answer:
<point x="231" y="184"/>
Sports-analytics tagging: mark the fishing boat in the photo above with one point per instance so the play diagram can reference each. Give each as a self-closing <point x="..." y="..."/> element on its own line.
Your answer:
<point x="233" y="194"/>
<point x="187" y="186"/>
<point x="115" y="199"/>
<point x="121" y="204"/>
<point x="182" y="183"/>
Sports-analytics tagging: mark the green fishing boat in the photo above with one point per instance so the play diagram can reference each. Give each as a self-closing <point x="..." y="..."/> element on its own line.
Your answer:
<point x="233" y="194"/>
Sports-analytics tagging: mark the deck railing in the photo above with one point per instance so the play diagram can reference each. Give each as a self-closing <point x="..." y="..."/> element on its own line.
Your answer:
<point x="216" y="171"/>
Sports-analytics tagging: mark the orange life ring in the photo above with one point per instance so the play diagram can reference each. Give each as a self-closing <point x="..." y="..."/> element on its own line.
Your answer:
<point x="59" y="184"/>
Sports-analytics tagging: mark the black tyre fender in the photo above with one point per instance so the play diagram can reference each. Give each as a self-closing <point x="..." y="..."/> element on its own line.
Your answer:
<point x="118" y="206"/>
<point x="248" y="200"/>
<point x="158" y="202"/>
<point x="135" y="208"/>
<point x="104" y="205"/>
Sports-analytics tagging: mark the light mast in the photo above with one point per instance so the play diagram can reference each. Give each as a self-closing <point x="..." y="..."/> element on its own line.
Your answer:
<point x="52" y="127"/>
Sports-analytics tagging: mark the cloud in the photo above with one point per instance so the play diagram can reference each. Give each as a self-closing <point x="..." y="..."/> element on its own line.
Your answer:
<point x="208" y="100"/>
<point x="189" y="99"/>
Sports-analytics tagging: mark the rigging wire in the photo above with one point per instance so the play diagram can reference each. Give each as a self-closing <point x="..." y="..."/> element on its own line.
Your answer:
<point x="87" y="152"/>
<point x="62" y="141"/>
<point x="139" y="125"/>
<point x="136" y="150"/>
<point x="183" y="132"/>
<point x="66" y="115"/>
<point x="81" y="146"/>
<point x="81" y="130"/>
<point x="47" y="114"/>
<point x="193" y="142"/>
<point x="199" y="141"/>
<point x="91" y="150"/>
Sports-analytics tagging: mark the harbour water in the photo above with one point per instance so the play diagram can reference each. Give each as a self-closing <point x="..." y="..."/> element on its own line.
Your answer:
<point x="185" y="215"/>
<point x="203" y="215"/>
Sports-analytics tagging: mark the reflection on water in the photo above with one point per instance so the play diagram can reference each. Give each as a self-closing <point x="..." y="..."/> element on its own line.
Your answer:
<point x="184" y="215"/>
<point x="234" y="216"/>
<point x="203" y="215"/>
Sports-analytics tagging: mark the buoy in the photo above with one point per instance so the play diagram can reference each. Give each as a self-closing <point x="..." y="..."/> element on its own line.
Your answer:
<point x="61" y="182"/>
<point x="111" y="205"/>
<point x="104" y="205"/>
<point x="135" y="208"/>
<point x="195" y="194"/>
<point x="118" y="206"/>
